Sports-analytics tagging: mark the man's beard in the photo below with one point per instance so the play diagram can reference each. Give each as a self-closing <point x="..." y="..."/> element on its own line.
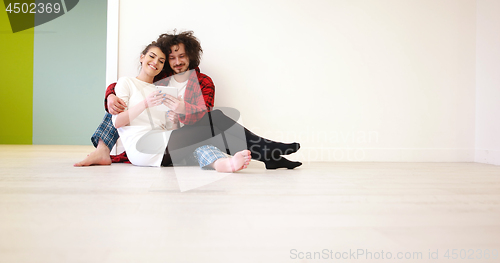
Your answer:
<point x="182" y="72"/>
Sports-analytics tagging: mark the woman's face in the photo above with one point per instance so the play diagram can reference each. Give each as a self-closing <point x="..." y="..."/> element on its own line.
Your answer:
<point x="153" y="62"/>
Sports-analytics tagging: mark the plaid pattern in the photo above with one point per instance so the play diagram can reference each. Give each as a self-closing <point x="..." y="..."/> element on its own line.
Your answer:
<point x="105" y="131"/>
<point x="207" y="154"/>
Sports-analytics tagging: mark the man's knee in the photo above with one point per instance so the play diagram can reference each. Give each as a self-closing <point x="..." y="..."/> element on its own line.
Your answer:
<point x="216" y="113"/>
<point x="228" y="113"/>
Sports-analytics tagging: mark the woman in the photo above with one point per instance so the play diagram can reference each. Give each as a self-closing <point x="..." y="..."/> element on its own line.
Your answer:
<point x="141" y="115"/>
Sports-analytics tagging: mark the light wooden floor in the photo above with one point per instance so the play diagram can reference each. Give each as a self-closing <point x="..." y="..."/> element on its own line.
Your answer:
<point x="52" y="212"/>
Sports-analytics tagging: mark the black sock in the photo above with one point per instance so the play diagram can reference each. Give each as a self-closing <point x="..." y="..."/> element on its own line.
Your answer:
<point x="276" y="149"/>
<point x="281" y="163"/>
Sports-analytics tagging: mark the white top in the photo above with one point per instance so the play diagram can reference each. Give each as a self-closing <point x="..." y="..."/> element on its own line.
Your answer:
<point x="133" y="91"/>
<point x="181" y="89"/>
<point x="180" y="86"/>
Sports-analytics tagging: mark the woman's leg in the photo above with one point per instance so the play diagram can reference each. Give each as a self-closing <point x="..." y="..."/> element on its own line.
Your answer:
<point x="104" y="138"/>
<point x="106" y="132"/>
<point x="100" y="156"/>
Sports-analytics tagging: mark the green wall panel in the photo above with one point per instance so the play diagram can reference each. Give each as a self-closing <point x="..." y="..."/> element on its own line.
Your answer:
<point x="69" y="75"/>
<point x="16" y="85"/>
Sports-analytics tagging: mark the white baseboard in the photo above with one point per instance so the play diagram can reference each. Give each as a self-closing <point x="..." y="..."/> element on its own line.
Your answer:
<point x="487" y="156"/>
<point x="318" y="154"/>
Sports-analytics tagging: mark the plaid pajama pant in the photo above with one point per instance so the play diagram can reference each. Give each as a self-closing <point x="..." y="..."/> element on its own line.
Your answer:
<point x="207" y="154"/>
<point x="106" y="132"/>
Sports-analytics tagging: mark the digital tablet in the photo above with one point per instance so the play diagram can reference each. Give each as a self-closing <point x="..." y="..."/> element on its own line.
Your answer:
<point x="166" y="90"/>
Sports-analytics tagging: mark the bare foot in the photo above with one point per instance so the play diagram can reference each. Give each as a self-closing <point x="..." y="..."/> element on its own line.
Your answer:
<point x="100" y="156"/>
<point x="233" y="164"/>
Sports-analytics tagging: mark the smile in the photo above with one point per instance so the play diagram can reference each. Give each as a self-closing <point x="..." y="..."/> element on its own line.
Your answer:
<point x="151" y="66"/>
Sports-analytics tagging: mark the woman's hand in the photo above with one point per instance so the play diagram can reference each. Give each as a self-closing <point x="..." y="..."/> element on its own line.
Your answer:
<point x="174" y="118"/>
<point x="115" y="104"/>
<point x="175" y="104"/>
<point x="154" y="99"/>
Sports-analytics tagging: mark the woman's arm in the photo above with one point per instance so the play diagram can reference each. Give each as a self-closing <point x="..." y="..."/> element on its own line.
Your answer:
<point x="125" y="117"/>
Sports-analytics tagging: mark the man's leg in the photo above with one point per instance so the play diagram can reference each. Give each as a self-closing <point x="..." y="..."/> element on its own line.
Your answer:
<point x="237" y="138"/>
<point x="104" y="138"/>
<point x="209" y="156"/>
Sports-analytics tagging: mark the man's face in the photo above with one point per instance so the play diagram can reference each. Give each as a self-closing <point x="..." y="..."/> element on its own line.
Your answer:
<point x="178" y="59"/>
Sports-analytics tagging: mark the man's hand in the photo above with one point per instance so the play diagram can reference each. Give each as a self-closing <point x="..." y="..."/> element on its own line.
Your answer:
<point x="175" y="104"/>
<point x="115" y="104"/>
<point x="174" y="118"/>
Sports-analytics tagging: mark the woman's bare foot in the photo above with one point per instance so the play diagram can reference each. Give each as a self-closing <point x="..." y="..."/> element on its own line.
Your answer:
<point x="233" y="164"/>
<point x="100" y="156"/>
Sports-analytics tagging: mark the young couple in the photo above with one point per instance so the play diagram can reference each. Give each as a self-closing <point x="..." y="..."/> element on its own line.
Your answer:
<point x="191" y="130"/>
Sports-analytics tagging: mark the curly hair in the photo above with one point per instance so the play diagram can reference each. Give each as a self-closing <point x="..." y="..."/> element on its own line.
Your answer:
<point x="191" y="44"/>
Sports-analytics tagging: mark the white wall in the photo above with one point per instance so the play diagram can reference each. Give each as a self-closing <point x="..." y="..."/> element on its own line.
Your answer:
<point x="383" y="80"/>
<point x="488" y="82"/>
<point x="112" y="29"/>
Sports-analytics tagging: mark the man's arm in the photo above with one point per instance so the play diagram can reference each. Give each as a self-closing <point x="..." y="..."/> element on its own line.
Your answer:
<point x="201" y="101"/>
<point x="208" y="90"/>
<point x="110" y="90"/>
<point x="112" y="103"/>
